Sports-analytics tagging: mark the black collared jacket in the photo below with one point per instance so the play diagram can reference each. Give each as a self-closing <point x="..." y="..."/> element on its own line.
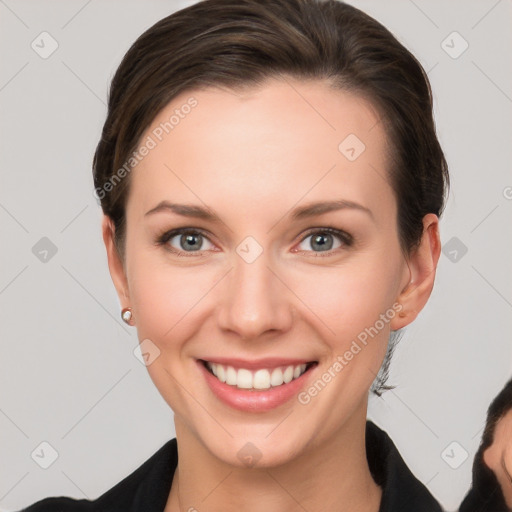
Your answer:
<point x="148" y="487"/>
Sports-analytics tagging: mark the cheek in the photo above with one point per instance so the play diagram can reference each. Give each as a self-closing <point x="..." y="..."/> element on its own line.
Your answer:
<point x="359" y="312"/>
<point x="354" y="305"/>
<point x="165" y="297"/>
<point x="349" y="298"/>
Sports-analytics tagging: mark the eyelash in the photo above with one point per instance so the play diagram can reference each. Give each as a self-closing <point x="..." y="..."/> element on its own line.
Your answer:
<point x="346" y="239"/>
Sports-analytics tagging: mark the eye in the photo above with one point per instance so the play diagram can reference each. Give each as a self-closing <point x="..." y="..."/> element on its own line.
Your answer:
<point x="187" y="241"/>
<point x="322" y="239"/>
<point x="184" y="240"/>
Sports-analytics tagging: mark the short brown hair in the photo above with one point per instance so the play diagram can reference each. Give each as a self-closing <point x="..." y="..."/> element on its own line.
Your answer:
<point x="238" y="43"/>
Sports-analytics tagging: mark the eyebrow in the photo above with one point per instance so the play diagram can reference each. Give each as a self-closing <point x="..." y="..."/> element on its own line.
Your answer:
<point x="302" y="212"/>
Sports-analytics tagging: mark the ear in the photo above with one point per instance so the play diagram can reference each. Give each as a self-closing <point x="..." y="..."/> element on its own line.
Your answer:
<point x="115" y="264"/>
<point x="422" y="265"/>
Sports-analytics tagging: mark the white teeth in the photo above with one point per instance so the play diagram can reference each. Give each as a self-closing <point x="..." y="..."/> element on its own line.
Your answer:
<point x="221" y="374"/>
<point x="230" y="374"/>
<point x="244" y="379"/>
<point x="288" y="374"/>
<point x="276" y="379"/>
<point x="260" y="379"/>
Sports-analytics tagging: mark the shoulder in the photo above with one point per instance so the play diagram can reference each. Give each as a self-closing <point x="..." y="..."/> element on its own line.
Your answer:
<point x="401" y="490"/>
<point x="149" y="484"/>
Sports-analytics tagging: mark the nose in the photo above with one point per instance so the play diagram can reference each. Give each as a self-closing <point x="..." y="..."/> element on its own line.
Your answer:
<point x="256" y="303"/>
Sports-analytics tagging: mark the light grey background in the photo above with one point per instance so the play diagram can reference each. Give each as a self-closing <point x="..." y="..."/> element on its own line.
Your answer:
<point x="68" y="375"/>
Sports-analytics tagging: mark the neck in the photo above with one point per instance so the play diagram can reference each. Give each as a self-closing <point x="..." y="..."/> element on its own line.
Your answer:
<point x="332" y="476"/>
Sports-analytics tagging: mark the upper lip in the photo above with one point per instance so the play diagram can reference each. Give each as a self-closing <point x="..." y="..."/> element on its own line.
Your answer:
<point x="267" y="362"/>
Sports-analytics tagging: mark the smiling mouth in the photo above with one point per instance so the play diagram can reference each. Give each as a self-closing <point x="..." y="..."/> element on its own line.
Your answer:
<point x="260" y="379"/>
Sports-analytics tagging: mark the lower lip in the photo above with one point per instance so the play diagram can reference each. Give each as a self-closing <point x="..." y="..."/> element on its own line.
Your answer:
<point x="254" y="401"/>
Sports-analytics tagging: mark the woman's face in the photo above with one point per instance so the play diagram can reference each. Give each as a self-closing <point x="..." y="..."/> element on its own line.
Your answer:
<point x="261" y="280"/>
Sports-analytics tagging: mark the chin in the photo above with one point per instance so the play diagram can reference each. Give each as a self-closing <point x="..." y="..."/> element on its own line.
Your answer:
<point x="256" y="451"/>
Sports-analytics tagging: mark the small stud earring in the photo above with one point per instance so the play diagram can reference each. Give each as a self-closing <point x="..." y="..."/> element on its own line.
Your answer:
<point x="126" y="315"/>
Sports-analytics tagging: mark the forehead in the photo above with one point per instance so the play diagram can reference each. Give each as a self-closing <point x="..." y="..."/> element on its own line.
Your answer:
<point x="285" y="139"/>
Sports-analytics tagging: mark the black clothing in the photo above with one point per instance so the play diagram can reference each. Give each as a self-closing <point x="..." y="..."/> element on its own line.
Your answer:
<point x="148" y="487"/>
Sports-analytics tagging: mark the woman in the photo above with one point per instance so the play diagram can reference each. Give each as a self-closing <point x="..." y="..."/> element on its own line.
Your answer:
<point x="271" y="183"/>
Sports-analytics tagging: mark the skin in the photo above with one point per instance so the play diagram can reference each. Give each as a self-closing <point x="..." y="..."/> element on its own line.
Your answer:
<point x="498" y="456"/>
<point x="252" y="157"/>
